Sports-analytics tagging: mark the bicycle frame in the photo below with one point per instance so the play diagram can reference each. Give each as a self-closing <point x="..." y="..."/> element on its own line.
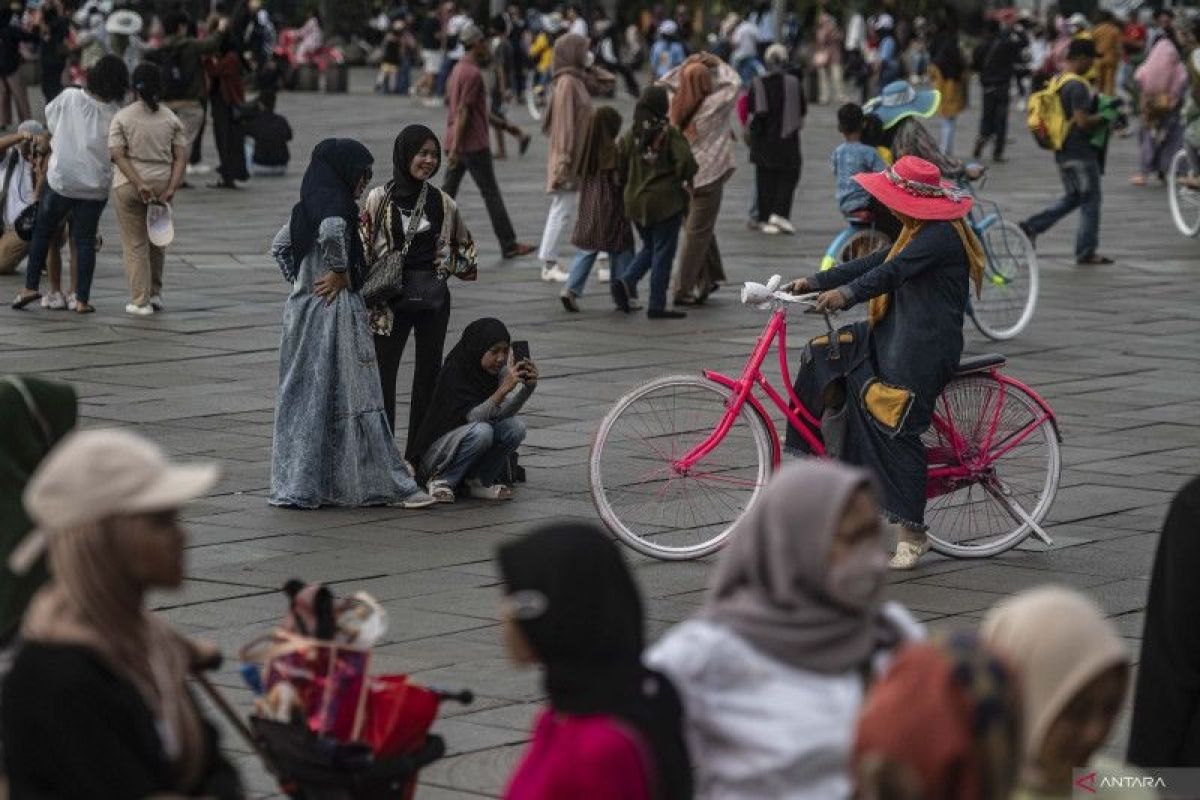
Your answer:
<point x="971" y="463"/>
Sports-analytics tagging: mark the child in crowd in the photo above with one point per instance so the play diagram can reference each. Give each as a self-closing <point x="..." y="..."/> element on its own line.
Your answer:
<point x="267" y="135"/>
<point x="849" y="159"/>
<point x="600" y="225"/>
<point x="656" y="165"/>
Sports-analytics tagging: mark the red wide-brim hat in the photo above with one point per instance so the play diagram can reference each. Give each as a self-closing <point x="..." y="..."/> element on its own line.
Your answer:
<point x="914" y="187"/>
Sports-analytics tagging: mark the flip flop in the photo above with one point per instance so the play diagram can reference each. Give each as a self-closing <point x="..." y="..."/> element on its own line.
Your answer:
<point x="23" y="300"/>
<point x="85" y="308"/>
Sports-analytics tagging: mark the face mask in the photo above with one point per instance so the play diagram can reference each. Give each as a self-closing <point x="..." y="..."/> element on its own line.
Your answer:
<point x="855" y="580"/>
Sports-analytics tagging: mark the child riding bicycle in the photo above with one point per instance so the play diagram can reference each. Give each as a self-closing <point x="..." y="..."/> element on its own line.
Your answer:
<point x="850" y="158"/>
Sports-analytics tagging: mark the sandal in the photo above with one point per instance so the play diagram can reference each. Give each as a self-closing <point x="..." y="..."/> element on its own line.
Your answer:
<point x="22" y="300"/>
<point x="84" y="307"/>
<point x="1094" y="260"/>
<point x="441" y="491"/>
<point x="907" y="555"/>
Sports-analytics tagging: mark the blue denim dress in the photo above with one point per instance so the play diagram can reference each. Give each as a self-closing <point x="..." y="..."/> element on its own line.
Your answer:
<point x="332" y="445"/>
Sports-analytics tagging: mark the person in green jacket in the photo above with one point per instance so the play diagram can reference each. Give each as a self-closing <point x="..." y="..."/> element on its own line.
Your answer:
<point x="656" y="165"/>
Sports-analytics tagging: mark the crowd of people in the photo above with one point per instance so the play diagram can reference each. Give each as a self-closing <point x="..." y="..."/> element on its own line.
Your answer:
<point x="795" y="679"/>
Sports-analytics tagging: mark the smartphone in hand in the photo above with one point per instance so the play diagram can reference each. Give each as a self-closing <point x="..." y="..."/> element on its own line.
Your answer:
<point x="520" y="351"/>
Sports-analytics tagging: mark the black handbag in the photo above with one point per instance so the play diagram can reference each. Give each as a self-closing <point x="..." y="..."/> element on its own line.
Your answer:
<point x="422" y="290"/>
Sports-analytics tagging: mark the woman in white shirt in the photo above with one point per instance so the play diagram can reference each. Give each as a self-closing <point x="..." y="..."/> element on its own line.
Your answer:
<point x="79" y="176"/>
<point x="773" y="671"/>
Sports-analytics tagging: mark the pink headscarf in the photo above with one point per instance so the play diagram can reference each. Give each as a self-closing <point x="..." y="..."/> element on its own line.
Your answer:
<point x="1162" y="72"/>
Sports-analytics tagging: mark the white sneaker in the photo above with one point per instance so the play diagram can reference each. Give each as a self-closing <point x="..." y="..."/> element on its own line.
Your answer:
<point x="54" y="301"/>
<point x="416" y="500"/>
<point x="769" y="228"/>
<point x="71" y="301"/>
<point x="553" y="274"/>
<point x="497" y="491"/>
<point x="603" y="274"/>
<point x="782" y="223"/>
<point x="139" y="311"/>
<point x="156" y="302"/>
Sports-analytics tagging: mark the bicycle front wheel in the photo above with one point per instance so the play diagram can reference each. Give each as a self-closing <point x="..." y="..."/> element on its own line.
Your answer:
<point x="1008" y="294"/>
<point x="1183" y="191"/>
<point x="643" y="495"/>
<point x="979" y="419"/>
<point x="863" y="242"/>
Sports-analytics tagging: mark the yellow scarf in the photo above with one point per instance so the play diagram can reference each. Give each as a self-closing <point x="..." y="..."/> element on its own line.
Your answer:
<point x="878" y="307"/>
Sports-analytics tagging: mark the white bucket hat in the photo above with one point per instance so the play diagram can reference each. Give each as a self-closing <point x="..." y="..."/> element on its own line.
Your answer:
<point x="96" y="474"/>
<point x="160" y="224"/>
<point x="123" y="21"/>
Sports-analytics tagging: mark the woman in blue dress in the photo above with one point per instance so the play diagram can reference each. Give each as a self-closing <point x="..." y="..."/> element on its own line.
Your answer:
<point x="332" y="444"/>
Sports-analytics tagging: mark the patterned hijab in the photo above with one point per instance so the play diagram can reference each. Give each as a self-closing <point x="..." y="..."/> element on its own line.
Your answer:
<point x="947" y="716"/>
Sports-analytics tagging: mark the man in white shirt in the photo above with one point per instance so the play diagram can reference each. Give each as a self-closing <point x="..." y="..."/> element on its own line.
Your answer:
<point x="79" y="176"/>
<point x="745" y="52"/>
<point x="575" y="22"/>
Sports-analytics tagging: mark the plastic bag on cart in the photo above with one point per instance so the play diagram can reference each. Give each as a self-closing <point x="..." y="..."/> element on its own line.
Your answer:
<point x="399" y="715"/>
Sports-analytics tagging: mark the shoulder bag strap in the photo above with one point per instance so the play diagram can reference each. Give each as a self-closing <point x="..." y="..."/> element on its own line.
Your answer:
<point x="43" y="425"/>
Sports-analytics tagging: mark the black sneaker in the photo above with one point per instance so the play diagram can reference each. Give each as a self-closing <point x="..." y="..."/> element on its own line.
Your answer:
<point x="662" y="313"/>
<point x="1028" y="231"/>
<point x="620" y="294"/>
<point x="569" y="301"/>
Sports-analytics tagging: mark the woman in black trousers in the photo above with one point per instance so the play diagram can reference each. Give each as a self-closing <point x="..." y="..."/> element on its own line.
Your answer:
<point x="438" y="246"/>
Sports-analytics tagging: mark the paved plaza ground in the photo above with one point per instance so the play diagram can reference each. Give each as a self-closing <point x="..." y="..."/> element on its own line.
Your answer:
<point x="1116" y="351"/>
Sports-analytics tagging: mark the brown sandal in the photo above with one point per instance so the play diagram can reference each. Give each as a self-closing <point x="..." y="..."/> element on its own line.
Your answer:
<point x="84" y="308"/>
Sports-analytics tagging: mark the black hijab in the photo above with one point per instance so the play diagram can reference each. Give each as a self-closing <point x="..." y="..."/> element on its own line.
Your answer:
<point x="589" y="636"/>
<point x="650" y="118"/>
<point x="404" y="187"/>
<point x="403" y="190"/>
<point x="1165" y="731"/>
<point x="462" y="384"/>
<point x="327" y="190"/>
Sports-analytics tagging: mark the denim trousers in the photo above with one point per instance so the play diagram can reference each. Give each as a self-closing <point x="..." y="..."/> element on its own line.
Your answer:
<point x="85" y="218"/>
<point x="484" y="450"/>
<point x="949" y="126"/>
<point x="659" y="241"/>
<point x="581" y="267"/>
<point x="1081" y="180"/>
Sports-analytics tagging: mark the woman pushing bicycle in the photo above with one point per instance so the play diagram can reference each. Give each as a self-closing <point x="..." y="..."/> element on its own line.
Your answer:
<point x="875" y="386"/>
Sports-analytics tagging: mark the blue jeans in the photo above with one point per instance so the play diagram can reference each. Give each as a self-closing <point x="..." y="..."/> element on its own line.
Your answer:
<point x="581" y="267"/>
<point x="85" y="218"/>
<point x="748" y="69"/>
<point x="1081" y="180"/>
<point x="484" y="451"/>
<point x="659" y="241"/>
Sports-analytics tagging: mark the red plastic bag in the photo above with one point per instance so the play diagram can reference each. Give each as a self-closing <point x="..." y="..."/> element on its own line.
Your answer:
<point x="399" y="715"/>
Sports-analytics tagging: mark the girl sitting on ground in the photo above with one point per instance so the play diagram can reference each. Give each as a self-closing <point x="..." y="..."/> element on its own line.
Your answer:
<point x="472" y="426"/>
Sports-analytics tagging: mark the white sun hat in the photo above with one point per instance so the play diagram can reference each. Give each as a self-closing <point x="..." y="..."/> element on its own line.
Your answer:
<point x="160" y="224"/>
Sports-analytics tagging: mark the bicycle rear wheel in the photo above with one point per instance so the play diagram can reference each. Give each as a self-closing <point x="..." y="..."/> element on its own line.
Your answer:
<point x="967" y="518"/>
<point x="1183" y="190"/>
<point x="650" y="504"/>
<point x="863" y="242"/>
<point x="1008" y="294"/>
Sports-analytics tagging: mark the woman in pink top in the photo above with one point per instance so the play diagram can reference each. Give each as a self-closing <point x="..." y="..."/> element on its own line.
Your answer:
<point x="613" y="727"/>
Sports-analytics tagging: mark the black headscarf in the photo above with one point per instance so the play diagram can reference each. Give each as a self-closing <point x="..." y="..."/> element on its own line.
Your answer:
<point x="462" y="384"/>
<point x="403" y="190"/>
<point x="404" y="187"/>
<point x="589" y="637"/>
<point x="327" y="190"/>
<point x="650" y="117"/>
<point x="1165" y="731"/>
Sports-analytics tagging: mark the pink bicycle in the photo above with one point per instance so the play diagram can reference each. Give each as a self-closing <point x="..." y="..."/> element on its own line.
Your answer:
<point x="678" y="460"/>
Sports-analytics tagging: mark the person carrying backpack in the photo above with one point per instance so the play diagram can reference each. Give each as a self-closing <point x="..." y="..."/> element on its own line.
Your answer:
<point x="180" y="58"/>
<point x="1062" y="118"/>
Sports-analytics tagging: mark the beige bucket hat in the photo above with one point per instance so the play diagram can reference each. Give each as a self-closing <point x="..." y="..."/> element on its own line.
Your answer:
<point x="95" y="474"/>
